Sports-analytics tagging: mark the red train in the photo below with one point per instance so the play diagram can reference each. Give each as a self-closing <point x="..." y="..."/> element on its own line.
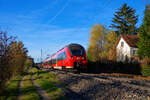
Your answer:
<point x="72" y="56"/>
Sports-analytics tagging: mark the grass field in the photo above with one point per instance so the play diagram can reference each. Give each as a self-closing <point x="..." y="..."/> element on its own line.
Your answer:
<point x="12" y="89"/>
<point x="50" y="84"/>
<point x="45" y="80"/>
<point x="29" y="90"/>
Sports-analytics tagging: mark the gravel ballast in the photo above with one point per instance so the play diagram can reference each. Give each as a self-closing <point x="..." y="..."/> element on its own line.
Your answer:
<point x="98" y="87"/>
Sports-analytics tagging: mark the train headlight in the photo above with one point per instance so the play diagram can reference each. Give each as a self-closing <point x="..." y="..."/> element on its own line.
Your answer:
<point x="82" y="58"/>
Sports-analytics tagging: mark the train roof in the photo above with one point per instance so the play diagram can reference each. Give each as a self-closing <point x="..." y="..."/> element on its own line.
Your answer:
<point x="73" y="44"/>
<point x="65" y="47"/>
<point x="47" y="59"/>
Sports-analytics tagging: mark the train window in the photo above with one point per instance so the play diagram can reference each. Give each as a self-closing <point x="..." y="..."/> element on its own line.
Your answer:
<point x="50" y="62"/>
<point x="54" y="61"/>
<point x="64" y="55"/>
<point x="58" y="56"/>
<point x="76" y="50"/>
<point x="61" y="56"/>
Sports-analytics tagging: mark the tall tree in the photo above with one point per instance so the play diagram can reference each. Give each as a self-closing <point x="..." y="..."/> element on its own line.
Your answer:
<point x="124" y="20"/>
<point x="144" y="35"/>
<point x="96" y="49"/>
<point x="19" y="55"/>
<point x="13" y="57"/>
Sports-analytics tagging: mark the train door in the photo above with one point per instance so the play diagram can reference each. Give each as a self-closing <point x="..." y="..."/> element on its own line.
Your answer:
<point x="58" y="60"/>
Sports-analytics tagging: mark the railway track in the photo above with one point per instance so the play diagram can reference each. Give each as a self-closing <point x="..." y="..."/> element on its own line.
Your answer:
<point x="95" y="86"/>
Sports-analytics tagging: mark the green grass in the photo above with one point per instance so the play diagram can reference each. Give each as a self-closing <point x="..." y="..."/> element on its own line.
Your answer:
<point x="46" y="80"/>
<point x="50" y="84"/>
<point x="29" y="90"/>
<point x="12" y="89"/>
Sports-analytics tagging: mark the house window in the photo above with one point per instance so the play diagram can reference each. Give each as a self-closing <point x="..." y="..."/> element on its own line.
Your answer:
<point x="122" y="44"/>
<point x="133" y="52"/>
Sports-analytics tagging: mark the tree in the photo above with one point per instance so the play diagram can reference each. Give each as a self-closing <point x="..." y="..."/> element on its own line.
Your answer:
<point x="96" y="49"/>
<point x="124" y="20"/>
<point x="111" y="41"/>
<point x="144" y="35"/>
<point x="4" y="58"/>
<point x="19" y="55"/>
<point x="13" y="56"/>
<point x="4" y="42"/>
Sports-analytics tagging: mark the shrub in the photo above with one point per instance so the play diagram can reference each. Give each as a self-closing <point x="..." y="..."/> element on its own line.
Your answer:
<point x="114" y="67"/>
<point x="145" y="65"/>
<point x="146" y="70"/>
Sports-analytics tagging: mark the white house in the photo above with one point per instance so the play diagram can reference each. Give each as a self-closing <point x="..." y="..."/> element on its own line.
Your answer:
<point x="126" y="47"/>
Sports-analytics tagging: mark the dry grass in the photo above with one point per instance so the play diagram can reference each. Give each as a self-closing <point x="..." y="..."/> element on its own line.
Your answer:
<point x="138" y="77"/>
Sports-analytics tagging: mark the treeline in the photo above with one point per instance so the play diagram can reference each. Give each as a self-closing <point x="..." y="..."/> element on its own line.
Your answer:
<point x="101" y="52"/>
<point x="13" y="59"/>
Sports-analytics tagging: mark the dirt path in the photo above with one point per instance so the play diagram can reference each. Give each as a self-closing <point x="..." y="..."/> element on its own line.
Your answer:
<point x="42" y="93"/>
<point x="20" y="88"/>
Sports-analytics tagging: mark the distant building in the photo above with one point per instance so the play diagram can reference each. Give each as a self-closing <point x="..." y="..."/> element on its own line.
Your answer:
<point x="126" y="47"/>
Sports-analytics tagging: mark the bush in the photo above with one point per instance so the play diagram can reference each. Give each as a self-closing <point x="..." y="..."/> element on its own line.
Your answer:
<point x="146" y="70"/>
<point x="114" y="67"/>
<point x="145" y="65"/>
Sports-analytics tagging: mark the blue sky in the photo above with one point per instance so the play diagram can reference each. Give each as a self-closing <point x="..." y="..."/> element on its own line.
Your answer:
<point x="51" y="24"/>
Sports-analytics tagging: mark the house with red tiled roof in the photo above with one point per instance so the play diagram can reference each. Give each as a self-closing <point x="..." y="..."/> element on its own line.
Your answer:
<point x="126" y="47"/>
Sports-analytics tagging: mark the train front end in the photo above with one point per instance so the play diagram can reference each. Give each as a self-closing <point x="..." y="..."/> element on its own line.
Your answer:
<point x="77" y="57"/>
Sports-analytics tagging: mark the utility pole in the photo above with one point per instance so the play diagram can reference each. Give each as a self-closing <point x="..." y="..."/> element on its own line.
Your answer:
<point x="38" y="60"/>
<point x="41" y="56"/>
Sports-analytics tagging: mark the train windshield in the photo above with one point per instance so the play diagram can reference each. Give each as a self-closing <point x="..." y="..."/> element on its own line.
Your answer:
<point x="76" y="50"/>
